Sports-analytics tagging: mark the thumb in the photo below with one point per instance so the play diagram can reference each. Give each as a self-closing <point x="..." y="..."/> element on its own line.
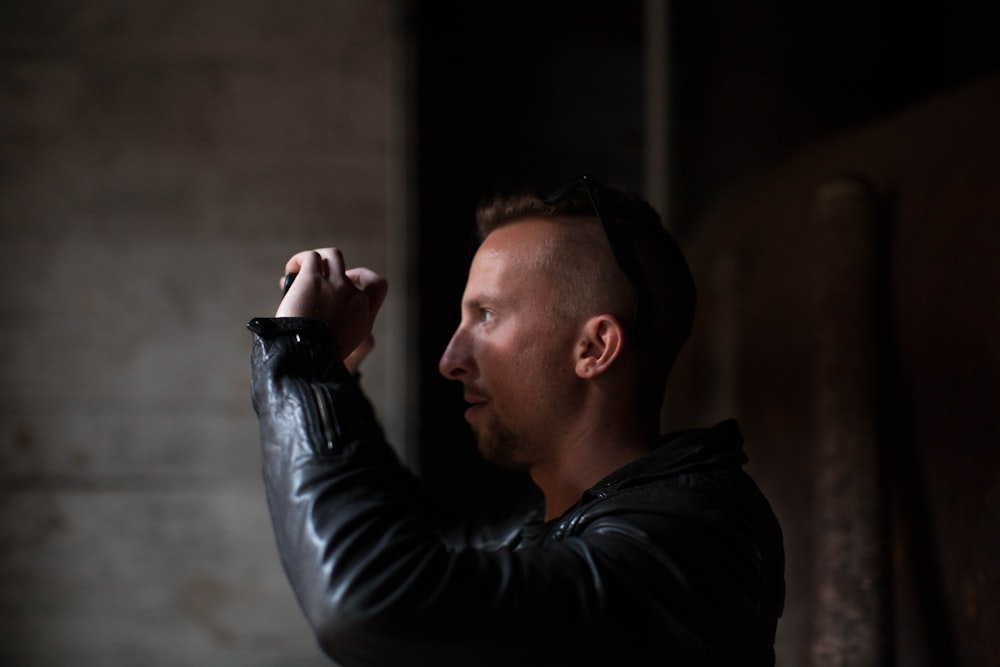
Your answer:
<point x="373" y="285"/>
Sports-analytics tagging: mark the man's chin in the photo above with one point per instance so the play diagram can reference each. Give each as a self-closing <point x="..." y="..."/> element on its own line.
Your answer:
<point x="500" y="447"/>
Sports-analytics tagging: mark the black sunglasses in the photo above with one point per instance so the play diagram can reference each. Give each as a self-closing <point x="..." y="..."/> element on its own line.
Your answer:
<point x="602" y="201"/>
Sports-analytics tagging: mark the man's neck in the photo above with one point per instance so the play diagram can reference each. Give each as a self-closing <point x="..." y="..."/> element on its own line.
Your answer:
<point x="582" y="463"/>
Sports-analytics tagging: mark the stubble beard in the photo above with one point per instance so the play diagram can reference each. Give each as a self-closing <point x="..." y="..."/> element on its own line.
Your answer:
<point x="501" y="445"/>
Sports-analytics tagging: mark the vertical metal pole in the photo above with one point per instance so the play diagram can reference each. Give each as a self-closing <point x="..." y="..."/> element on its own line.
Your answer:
<point x="401" y="367"/>
<point x="656" y="58"/>
<point x="849" y="622"/>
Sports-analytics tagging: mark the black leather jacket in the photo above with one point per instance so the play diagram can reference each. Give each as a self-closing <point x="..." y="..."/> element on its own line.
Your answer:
<point x="675" y="559"/>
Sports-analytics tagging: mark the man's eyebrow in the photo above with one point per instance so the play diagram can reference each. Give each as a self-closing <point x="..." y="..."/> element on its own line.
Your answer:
<point x="483" y="300"/>
<point x="474" y="304"/>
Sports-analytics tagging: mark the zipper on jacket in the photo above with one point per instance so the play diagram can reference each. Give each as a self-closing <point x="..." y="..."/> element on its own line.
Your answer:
<point x="325" y="415"/>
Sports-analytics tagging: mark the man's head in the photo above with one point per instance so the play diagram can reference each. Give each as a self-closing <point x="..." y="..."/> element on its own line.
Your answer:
<point x="555" y="268"/>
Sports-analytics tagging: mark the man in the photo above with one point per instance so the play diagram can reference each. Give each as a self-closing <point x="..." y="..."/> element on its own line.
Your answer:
<point x="646" y="550"/>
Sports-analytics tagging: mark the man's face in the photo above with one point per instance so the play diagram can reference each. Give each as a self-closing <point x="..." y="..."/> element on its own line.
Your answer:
<point x="511" y="354"/>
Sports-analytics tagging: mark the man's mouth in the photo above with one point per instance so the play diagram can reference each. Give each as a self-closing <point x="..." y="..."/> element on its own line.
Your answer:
<point x="476" y="404"/>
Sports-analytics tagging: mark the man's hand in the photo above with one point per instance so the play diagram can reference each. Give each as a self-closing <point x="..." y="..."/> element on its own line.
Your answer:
<point x="347" y="300"/>
<point x="354" y="359"/>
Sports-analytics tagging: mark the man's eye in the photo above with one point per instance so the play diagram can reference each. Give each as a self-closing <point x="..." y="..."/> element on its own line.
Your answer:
<point x="486" y="315"/>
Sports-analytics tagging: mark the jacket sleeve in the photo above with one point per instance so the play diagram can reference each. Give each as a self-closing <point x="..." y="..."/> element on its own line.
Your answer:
<point x="373" y="574"/>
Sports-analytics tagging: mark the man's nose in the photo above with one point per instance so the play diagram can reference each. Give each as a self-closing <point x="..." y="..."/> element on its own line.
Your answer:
<point x="455" y="362"/>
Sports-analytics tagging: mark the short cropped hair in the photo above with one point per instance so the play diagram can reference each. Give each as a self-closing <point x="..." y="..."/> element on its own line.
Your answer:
<point x="584" y="270"/>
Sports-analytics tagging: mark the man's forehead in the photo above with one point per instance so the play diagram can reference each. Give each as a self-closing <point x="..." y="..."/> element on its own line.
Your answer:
<point x="521" y="242"/>
<point x="500" y="262"/>
<point x="526" y="231"/>
<point x="510" y="259"/>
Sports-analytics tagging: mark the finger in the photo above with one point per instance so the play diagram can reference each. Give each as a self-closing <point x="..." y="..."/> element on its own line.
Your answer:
<point x="294" y="264"/>
<point x="334" y="261"/>
<point x="310" y="264"/>
<point x="361" y="276"/>
<point x="352" y="275"/>
<point x="372" y="284"/>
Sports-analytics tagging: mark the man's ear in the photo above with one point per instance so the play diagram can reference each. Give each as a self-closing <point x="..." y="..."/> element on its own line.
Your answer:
<point x="601" y="342"/>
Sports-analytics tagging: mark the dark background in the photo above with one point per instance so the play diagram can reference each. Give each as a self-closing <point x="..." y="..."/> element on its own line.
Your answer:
<point x="534" y="93"/>
<point x="159" y="161"/>
<point x="531" y="94"/>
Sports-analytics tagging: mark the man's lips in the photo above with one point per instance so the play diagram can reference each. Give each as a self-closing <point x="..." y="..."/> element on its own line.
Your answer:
<point x="474" y="398"/>
<point x="476" y="403"/>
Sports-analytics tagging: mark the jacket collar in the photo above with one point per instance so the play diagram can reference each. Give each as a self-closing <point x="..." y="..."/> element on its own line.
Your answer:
<point x="682" y="451"/>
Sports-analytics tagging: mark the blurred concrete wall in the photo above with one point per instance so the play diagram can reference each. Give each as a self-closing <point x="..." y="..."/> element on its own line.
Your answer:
<point x="159" y="161"/>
